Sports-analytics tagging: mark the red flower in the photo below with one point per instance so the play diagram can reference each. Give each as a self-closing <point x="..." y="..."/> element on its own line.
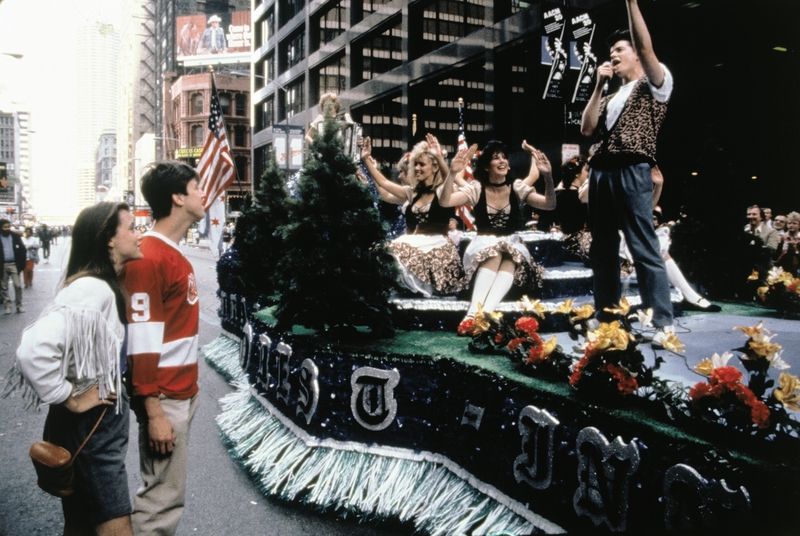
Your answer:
<point x="514" y="344"/>
<point x="759" y="413"/>
<point x="725" y="375"/>
<point x="577" y="371"/>
<point x="699" y="391"/>
<point x="626" y="384"/>
<point x="498" y="338"/>
<point x="465" y="327"/>
<point x="535" y="355"/>
<point x="527" y="325"/>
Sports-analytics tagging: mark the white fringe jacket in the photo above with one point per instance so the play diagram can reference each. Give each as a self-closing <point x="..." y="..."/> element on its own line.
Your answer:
<point x="77" y="340"/>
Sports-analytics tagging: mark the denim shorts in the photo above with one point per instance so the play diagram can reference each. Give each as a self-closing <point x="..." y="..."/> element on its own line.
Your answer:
<point x="101" y="481"/>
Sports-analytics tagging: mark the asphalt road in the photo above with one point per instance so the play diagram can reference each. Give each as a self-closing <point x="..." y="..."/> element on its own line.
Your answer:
<point x="221" y="499"/>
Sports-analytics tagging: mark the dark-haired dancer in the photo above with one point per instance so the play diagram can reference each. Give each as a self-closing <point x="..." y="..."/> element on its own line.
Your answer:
<point x="621" y="185"/>
<point x="497" y="256"/>
<point x="72" y="357"/>
<point x="163" y="315"/>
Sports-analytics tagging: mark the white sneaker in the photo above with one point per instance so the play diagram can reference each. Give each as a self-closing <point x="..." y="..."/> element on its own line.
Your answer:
<point x="8" y="309"/>
<point x="660" y="336"/>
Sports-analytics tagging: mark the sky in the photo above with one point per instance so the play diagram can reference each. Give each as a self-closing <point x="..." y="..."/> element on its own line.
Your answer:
<point x="43" y="82"/>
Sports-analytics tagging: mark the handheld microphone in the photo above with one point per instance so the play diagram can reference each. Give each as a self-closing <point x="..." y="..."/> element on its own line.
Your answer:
<point x="605" y="88"/>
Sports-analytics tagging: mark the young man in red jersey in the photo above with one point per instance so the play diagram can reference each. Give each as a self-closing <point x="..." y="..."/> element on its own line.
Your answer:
<point x="163" y="318"/>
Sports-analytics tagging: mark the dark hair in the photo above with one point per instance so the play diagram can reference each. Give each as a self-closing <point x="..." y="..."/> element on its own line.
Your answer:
<point x="163" y="179"/>
<point x="4" y="221"/>
<point x="94" y="228"/>
<point x="619" y="35"/>
<point x="571" y="169"/>
<point x="658" y="217"/>
<point x="482" y="163"/>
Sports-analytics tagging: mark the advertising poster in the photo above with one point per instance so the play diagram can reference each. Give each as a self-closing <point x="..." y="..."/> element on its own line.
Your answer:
<point x="222" y="37"/>
<point x="554" y="53"/>
<point x="582" y="58"/>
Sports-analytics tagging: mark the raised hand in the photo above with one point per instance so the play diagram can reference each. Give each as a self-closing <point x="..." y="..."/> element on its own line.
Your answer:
<point x="366" y="147"/>
<point x="433" y="145"/>
<point x="459" y="162"/>
<point x="541" y="160"/>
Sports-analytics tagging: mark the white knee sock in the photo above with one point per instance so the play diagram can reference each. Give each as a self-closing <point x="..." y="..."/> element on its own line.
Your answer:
<point x="675" y="277"/>
<point x="502" y="284"/>
<point x="484" y="279"/>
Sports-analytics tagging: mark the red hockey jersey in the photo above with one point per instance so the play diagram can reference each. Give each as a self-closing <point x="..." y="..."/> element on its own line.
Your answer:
<point x="163" y="319"/>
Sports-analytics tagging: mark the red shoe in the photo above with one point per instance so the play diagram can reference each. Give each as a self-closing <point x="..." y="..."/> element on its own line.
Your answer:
<point x="466" y="326"/>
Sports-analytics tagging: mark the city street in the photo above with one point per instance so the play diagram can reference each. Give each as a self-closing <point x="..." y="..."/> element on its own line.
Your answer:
<point x="221" y="498"/>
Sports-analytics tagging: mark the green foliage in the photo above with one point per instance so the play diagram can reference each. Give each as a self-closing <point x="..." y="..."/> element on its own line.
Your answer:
<point x="337" y="271"/>
<point x="257" y="239"/>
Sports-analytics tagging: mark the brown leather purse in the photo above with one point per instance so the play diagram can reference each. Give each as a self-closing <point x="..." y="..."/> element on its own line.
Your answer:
<point x="54" y="464"/>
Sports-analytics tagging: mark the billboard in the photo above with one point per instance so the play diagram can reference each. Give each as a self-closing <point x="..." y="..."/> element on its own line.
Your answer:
<point x="211" y="39"/>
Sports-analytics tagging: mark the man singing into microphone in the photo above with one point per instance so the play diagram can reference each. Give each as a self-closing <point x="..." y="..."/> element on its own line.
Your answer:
<point x="621" y="187"/>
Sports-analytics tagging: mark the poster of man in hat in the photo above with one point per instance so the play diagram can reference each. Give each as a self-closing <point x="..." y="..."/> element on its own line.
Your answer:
<point x="213" y="40"/>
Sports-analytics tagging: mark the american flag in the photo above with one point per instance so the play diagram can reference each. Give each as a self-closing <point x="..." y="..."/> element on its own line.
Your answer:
<point x="464" y="211"/>
<point x="216" y="167"/>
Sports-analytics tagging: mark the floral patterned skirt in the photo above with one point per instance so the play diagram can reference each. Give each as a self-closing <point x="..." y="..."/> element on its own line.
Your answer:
<point x="576" y="246"/>
<point x="527" y="275"/>
<point x="429" y="264"/>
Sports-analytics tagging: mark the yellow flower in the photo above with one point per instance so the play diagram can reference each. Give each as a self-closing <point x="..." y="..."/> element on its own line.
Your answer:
<point x="707" y="366"/>
<point x="583" y="313"/>
<point x="549" y="346"/>
<point x="609" y="336"/>
<point x="762" y="292"/>
<point x="672" y="343"/>
<point x="564" y="307"/>
<point x="481" y="321"/>
<point x="753" y="276"/>
<point x="764" y="348"/>
<point x="535" y="306"/>
<point x="786" y="394"/>
<point x="751" y="331"/>
<point x="704" y="367"/>
<point x="622" y="309"/>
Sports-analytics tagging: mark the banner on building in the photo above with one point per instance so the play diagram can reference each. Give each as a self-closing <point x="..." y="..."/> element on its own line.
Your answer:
<point x="294" y="140"/>
<point x="553" y="52"/>
<point x="582" y="58"/>
<point x="213" y="39"/>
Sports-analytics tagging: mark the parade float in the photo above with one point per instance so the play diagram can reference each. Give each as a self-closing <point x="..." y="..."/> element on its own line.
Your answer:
<point x="356" y="399"/>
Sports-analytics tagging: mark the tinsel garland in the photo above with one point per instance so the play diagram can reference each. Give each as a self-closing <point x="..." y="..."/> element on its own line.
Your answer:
<point x="377" y="483"/>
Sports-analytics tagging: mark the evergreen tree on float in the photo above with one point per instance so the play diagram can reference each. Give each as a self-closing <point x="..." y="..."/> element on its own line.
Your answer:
<point x="337" y="271"/>
<point x="257" y="237"/>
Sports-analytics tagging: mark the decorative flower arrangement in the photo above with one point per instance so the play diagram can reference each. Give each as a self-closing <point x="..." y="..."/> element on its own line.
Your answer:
<point x="779" y="290"/>
<point x="492" y="333"/>
<point x="612" y="363"/>
<point x="725" y="399"/>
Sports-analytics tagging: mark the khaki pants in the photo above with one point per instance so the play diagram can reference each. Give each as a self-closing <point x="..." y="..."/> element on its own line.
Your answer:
<point x="10" y="270"/>
<point x="159" y="501"/>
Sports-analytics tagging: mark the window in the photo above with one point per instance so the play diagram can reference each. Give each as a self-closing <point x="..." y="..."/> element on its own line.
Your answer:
<point x="444" y="21"/>
<point x="332" y="78"/>
<point x="240" y="136"/>
<point x="197" y="136"/>
<point x="292" y="51"/>
<point x="287" y="9"/>
<point x="265" y="29"/>
<point x="332" y="23"/>
<point x="241" y="167"/>
<point x="241" y="104"/>
<point x="382" y="52"/>
<point x="371" y="6"/>
<point x="225" y="103"/>
<point x="197" y="104"/>
<point x="294" y="97"/>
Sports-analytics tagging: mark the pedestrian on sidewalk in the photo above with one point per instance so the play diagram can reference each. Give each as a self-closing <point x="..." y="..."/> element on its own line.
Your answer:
<point x="72" y="359"/>
<point x="32" y="256"/>
<point x="164" y="317"/>
<point x="14" y="255"/>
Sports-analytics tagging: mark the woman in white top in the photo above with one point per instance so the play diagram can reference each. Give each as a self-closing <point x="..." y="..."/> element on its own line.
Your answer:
<point x="497" y="256"/>
<point x="72" y="359"/>
<point x="429" y="262"/>
<point x="32" y="245"/>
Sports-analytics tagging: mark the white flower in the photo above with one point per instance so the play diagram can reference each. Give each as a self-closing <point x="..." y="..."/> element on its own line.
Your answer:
<point x="777" y="362"/>
<point x="645" y="317"/>
<point x="718" y="361"/>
